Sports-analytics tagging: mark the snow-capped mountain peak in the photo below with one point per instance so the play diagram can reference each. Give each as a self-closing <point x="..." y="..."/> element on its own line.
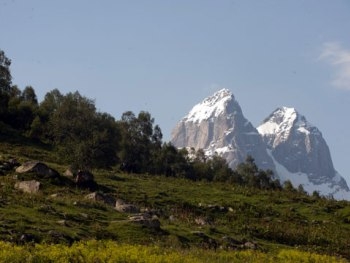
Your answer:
<point x="299" y="148"/>
<point x="282" y="122"/>
<point x="211" y="107"/>
<point x="218" y="126"/>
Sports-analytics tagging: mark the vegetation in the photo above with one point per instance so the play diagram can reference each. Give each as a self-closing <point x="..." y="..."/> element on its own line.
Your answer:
<point x="207" y="212"/>
<point x="109" y="251"/>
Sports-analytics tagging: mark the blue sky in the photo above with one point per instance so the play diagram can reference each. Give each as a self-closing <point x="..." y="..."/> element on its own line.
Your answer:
<point x="165" y="56"/>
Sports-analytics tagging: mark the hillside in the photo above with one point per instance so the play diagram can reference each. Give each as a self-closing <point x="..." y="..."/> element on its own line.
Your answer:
<point x="169" y="212"/>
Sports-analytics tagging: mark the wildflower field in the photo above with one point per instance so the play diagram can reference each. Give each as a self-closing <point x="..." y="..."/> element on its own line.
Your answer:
<point x="110" y="251"/>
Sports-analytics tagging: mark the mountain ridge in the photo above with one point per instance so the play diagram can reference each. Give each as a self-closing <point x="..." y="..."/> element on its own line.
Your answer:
<point x="285" y="142"/>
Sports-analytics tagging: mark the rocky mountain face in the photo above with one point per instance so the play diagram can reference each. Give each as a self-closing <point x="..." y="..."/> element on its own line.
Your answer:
<point x="285" y="143"/>
<point x="298" y="146"/>
<point x="217" y="125"/>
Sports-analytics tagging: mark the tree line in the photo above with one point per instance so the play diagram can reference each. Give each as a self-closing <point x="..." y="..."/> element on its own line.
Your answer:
<point x="87" y="138"/>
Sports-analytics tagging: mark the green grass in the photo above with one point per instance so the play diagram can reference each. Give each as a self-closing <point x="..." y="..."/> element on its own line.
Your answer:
<point x="274" y="220"/>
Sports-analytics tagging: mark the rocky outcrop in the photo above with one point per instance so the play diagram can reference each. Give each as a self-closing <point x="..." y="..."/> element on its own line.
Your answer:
<point x="218" y="126"/>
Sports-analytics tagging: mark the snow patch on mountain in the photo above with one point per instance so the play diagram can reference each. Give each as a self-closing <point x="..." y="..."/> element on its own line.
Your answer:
<point x="330" y="189"/>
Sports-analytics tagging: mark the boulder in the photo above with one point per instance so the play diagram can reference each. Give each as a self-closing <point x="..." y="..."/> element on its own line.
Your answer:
<point x="28" y="186"/>
<point x="201" y="221"/>
<point x="101" y="197"/>
<point x="146" y="220"/>
<point x="84" y="177"/>
<point x="8" y="165"/>
<point x="38" y="168"/>
<point x="250" y="245"/>
<point x="123" y="207"/>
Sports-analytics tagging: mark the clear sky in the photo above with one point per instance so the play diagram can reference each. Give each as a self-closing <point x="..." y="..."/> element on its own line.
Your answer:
<point x="165" y="56"/>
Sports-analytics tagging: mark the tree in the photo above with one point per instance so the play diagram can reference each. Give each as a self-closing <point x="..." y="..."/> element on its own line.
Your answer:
<point x="141" y="142"/>
<point x="82" y="136"/>
<point x="28" y="95"/>
<point x="252" y="176"/>
<point x="21" y="108"/>
<point x="170" y="161"/>
<point x="42" y="125"/>
<point x="288" y="186"/>
<point x="5" y="84"/>
<point x="301" y="190"/>
<point x="5" y="73"/>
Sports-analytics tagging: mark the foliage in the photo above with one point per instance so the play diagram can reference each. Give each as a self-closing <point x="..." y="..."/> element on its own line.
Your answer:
<point x="109" y="251"/>
<point x="5" y="83"/>
<point x="252" y="176"/>
<point x="82" y="136"/>
<point x="140" y="142"/>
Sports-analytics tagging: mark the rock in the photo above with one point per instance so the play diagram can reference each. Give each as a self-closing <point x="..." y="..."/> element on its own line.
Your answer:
<point x="231" y="243"/>
<point x="123" y="207"/>
<point x="96" y="196"/>
<point x="250" y="245"/>
<point x="8" y="165"/>
<point x="68" y="173"/>
<point x="86" y="216"/>
<point x="201" y="221"/>
<point x="62" y="222"/>
<point x="84" y="178"/>
<point x="38" y="168"/>
<point x="146" y="220"/>
<point x="25" y="238"/>
<point x="28" y="186"/>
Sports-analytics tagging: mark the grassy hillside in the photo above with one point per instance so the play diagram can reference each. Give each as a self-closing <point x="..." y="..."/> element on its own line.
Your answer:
<point x="192" y="215"/>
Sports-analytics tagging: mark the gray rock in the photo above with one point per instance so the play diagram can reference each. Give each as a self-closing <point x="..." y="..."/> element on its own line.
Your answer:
<point x="85" y="179"/>
<point x="123" y="207"/>
<point x="250" y="245"/>
<point x="201" y="221"/>
<point x="38" y="168"/>
<point x="28" y="186"/>
<point x="101" y="197"/>
<point x="146" y="220"/>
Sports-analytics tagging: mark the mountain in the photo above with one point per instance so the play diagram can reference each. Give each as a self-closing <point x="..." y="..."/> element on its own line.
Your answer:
<point x="301" y="154"/>
<point x="285" y="142"/>
<point x="217" y="125"/>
